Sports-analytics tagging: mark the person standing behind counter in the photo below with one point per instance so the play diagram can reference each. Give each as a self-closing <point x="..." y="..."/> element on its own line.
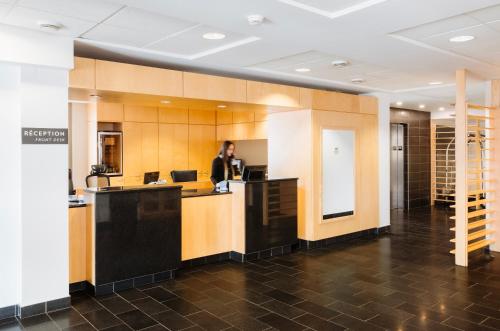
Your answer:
<point x="222" y="168"/>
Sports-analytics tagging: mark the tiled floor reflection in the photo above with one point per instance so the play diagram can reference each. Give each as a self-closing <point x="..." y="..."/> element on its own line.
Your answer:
<point x="403" y="281"/>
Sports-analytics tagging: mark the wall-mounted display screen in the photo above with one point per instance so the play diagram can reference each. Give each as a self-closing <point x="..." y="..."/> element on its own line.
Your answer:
<point x="338" y="171"/>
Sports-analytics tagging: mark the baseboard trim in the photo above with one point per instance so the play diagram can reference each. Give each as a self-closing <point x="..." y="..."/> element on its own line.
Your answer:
<point x="270" y="252"/>
<point x="9" y="312"/>
<point x="313" y="244"/>
<point x="44" y="307"/>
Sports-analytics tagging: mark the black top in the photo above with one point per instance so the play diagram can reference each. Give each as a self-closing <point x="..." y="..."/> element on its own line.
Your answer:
<point x="201" y="192"/>
<point x="218" y="170"/>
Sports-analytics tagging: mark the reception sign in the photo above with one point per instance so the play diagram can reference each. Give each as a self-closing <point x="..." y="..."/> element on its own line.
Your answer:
<point x="47" y="136"/>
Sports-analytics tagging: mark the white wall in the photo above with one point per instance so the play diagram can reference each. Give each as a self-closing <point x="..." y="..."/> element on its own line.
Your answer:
<point x="33" y="215"/>
<point x="338" y="169"/>
<point x="10" y="179"/>
<point x="253" y="152"/>
<point x="79" y="144"/>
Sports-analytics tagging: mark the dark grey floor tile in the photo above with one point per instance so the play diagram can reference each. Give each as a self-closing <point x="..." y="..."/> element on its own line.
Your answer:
<point x="483" y="310"/>
<point x="283" y="309"/>
<point x="136" y="319"/>
<point x="85" y="304"/>
<point x="427" y="324"/>
<point x="283" y="297"/>
<point x="119" y="327"/>
<point x="492" y="322"/>
<point x="317" y="323"/>
<point x="66" y="318"/>
<point x="101" y="319"/>
<point x="149" y="306"/>
<point x="11" y="325"/>
<point x="348" y="309"/>
<point x="248" y="308"/>
<point x="38" y="323"/>
<point x="466" y="325"/>
<point x="172" y="320"/>
<point x="352" y="323"/>
<point x="181" y="306"/>
<point x="220" y="295"/>
<point x="208" y="321"/>
<point x="315" y="309"/>
<point x="117" y="305"/>
<point x="81" y="327"/>
<point x="245" y="322"/>
<point x="281" y="323"/>
<point x="132" y="294"/>
<point x="159" y="294"/>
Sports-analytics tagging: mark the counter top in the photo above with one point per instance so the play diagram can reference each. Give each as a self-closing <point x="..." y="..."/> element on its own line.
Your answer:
<point x="263" y="181"/>
<point x="77" y="204"/>
<point x="113" y="189"/>
<point x="201" y="192"/>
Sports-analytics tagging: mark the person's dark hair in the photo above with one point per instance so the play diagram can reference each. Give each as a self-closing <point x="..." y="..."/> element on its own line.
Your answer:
<point x="223" y="150"/>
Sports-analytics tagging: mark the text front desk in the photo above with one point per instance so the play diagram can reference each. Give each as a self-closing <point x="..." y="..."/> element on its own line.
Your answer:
<point x="141" y="234"/>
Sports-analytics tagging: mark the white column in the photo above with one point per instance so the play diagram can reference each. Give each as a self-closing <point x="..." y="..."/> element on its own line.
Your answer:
<point x="384" y="159"/>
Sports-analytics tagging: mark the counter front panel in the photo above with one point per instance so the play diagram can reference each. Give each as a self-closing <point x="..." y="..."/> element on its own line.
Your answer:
<point x="137" y="232"/>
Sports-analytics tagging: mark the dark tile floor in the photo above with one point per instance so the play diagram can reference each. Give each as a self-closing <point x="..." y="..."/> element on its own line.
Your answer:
<point x="402" y="281"/>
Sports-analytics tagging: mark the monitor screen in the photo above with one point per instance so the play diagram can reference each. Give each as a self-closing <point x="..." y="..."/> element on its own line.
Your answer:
<point x="254" y="173"/>
<point x="150" y="177"/>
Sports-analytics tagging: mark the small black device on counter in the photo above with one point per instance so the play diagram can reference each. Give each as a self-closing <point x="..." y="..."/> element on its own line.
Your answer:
<point x="97" y="169"/>
<point x="254" y="173"/>
<point x="151" y="177"/>
<point x="71" y="190"/>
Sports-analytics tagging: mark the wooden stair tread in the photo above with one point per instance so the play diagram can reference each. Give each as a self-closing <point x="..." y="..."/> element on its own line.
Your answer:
<point x="477" y="245"/>
<point x="476" y="224"/>
<point x="476" y="213"/>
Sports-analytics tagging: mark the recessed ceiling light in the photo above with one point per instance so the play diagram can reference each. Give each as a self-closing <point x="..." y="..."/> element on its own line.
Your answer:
<point x="461" y="39"/>
<point x="221" y="106"/>
<point x="441" y="109"/>
<point x="340" y="63"/>
<point x="436" y="83"/>
<point x="358" y="80"/>
<point x="255" y="19"/>
<point x="302" y="69"/>
<point x="95" y="96"/>
<point x="49" y="25"/>
<point x="214" y="36"/>
<point x="399" y="103"/>
<point x="421" y="106"/>
<point x="165" y="102"/>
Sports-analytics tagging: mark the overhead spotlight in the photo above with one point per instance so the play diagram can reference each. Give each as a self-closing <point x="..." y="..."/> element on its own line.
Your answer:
<point x="340" y="63"/>
<point x="421" y="106"/>
<point x="165" y="102"/>
<point x="221" y="106"/>
<point x="214" y="36"/>
<point x="399" y="103"/>
<point x="461" y="39"/>
<point x="441" y="108"/>
<point x="302" y="69"/>
<point x="436" y="83"/>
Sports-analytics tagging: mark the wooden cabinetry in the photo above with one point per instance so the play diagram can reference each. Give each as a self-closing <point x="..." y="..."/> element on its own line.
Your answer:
<point x="368" y="105"/>
<point x="200" y="116"/>
<point x="260" y="130"/>
<point x="326" y="100"/>
<point x="140" y="150"/>
<point x="116" y="181"/>
<point x="77" y="233"/>
<point x="202" y="149"/>
<point x="173" y="148"/>
<point x="173" y="115"/>
<point x="206" y="226"/>
<point x="83" y="74"/>
<point x="224" y="117"/>
<point x="243" y="116"/>
<point x="143" y="114"/>
<point x="272" y="94"/>
<point x="122" y="77"/>
<point x="209" y="87"/>
<point x="225" y="132"/>
<point x="109" y="112"/>
<point x="244" y="131"/>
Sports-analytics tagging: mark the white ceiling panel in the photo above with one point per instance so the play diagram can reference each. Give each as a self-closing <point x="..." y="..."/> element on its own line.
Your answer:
<point x="330" y="5"/>
<point x="4" y="9"/>
<point x="436" y="28"/>
<point x="192" y="42"/>
<point x="122" y="36"/>
<point x="486" y="15"/>
<point x="141" y="20"/>
<point x="90" y="10"/>
<point x="28" y="18"/>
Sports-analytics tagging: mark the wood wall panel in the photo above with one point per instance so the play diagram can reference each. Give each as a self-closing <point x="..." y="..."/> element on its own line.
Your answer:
<point x="225" y="132"/>
<point x="206" y="226"/>
<point x="132" y="149"/>
<point x="201" y="116"/>
<point x="209" y="87"/>
<point x="368" y="104"/>
<point x="202" y="149"/>
<point x="133" y="113"/>
<point x="260" y="130"/>
<point x="243" y="116"/>
<point x="109" y="112"/>
<point x="224" y="117"/>
<point x="273" y="94"/>
<point x="244" y="131"/>
<point x="173" y="115"/>
<point x="326" y="100"/>
<point x="149" y="147"/>
<point x="122" y="77"/>
<point x="77" y="229"/>
<point x="173" y="148"/>
<point x="83" y="74"/>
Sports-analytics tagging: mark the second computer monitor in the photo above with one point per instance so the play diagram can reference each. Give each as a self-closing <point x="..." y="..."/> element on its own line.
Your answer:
<point x="254" y="173"/>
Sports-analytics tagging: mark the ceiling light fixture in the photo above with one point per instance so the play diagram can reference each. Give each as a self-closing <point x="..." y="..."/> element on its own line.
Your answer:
<point x="165" y="102"/>
<point x="399" y="103"/>
<point x="214" y="36"/>
<point x="441" y="109"/>
<point x="302" y="69"/>
<point x="221" y="106"/>
<point x="421" y="106"/>
<point x="357" y="80"/>
<point x="340" y="63"/>
<point x="95" y="96"/>
<point x="436" y="83"/>
<point x="49" y="25"/>
<point x="461" y="39"/>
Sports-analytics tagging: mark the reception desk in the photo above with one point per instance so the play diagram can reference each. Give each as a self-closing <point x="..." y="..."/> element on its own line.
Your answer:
<point x="141" y="234"/>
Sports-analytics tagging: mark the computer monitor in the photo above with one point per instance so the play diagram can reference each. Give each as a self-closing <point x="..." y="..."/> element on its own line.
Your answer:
<point x="238" y="166"/>
<point x="254" y="173"/>
<point x="151" y="177"/>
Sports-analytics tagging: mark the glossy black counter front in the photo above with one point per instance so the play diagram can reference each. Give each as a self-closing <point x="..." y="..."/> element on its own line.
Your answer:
<point x="137" y="233"/>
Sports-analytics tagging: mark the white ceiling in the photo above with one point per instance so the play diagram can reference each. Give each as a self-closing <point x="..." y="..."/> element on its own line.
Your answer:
<point x="396" y="46"/>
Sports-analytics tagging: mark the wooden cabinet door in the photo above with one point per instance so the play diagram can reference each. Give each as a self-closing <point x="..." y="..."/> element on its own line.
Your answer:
<point x="173" y="141"/>
<point x="77" y="244"/>
<point x="243" y="116"/>
<point x="244" y="131"/>
<point x="83" y="74"/>
<point x="132" y="149"/>
<point x="260" y="130"/>
<point x="109" y="112"/>
<point x="202" y="149"/>
<point x="273" y="94"/>
<point x="133" y="113"/>
<point x="225" y="132"/>
<point x="201" y="116"/>
<point x="149" y="147"/>
<point x="210" y="87"/>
